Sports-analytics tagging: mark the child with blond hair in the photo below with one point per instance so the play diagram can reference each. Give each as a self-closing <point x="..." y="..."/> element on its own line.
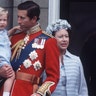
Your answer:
<point x="5" y="52"/>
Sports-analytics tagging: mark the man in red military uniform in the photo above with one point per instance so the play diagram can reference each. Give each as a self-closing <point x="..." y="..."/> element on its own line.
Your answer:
<point x="33" y="52"/>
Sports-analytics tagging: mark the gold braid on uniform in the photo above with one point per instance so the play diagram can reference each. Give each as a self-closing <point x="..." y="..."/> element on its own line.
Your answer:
<point x="16" y="47"/>
<point x="21" y="44"/>
<point x="44" y="90"/>
<point x="47" y="34"/>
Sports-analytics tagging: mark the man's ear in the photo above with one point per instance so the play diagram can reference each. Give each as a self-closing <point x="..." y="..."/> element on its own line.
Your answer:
<point x="34" y="19"/>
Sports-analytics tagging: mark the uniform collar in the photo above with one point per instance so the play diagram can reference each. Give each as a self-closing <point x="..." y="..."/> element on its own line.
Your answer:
<point x="34" y="29"/>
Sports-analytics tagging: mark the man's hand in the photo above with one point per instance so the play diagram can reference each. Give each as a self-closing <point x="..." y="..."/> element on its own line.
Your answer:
<point x="35" y="94"/>
<point x="6" y="71"/>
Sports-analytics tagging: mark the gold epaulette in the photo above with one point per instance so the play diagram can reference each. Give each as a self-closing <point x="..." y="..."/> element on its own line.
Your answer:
<point x="47" y="34"/>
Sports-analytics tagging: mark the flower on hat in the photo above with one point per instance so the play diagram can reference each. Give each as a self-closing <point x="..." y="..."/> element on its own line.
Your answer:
<point x="56" y="26"/>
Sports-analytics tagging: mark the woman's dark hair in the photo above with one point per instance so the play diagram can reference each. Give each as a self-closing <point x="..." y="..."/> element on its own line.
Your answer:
<point x="68" y="30"/>
<point x="32" y="8"/>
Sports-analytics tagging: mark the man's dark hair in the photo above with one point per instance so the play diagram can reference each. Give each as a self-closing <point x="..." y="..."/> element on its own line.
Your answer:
<point x="32" y="8"/>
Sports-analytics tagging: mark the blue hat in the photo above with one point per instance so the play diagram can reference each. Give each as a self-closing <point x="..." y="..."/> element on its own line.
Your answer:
<point x="56" y="26"/>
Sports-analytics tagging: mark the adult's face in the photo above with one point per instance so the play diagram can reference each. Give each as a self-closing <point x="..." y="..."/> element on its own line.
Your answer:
<point x="62" y="38"/>
<point x="24" y="21"/>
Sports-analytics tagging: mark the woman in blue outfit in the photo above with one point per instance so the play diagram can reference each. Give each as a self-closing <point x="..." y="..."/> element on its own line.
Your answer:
<point x="72" y="81"/>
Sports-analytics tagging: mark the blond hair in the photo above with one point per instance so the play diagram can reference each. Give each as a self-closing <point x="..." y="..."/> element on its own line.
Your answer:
<point x="3" y="11"/>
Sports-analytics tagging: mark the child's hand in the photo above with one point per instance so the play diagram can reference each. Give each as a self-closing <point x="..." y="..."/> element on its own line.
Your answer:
<point x="14" y="29"/>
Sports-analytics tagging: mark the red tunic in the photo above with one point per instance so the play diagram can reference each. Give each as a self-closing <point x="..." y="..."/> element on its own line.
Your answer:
<point x="44" y="53"/>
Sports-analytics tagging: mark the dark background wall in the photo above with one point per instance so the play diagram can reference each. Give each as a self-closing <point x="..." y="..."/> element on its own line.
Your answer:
<point x="82" y="17"/>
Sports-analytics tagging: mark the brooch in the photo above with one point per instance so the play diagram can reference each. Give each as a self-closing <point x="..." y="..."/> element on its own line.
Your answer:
<point x="28" y="63"/>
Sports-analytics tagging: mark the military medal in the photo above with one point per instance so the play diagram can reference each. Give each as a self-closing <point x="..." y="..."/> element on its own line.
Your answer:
<point x="39" y="43"/>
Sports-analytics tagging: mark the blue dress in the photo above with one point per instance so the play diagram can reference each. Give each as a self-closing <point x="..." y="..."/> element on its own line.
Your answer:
<point x="5" y="50"/>
<point x="72" y="81"/>
<point x="61" y="89"/>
